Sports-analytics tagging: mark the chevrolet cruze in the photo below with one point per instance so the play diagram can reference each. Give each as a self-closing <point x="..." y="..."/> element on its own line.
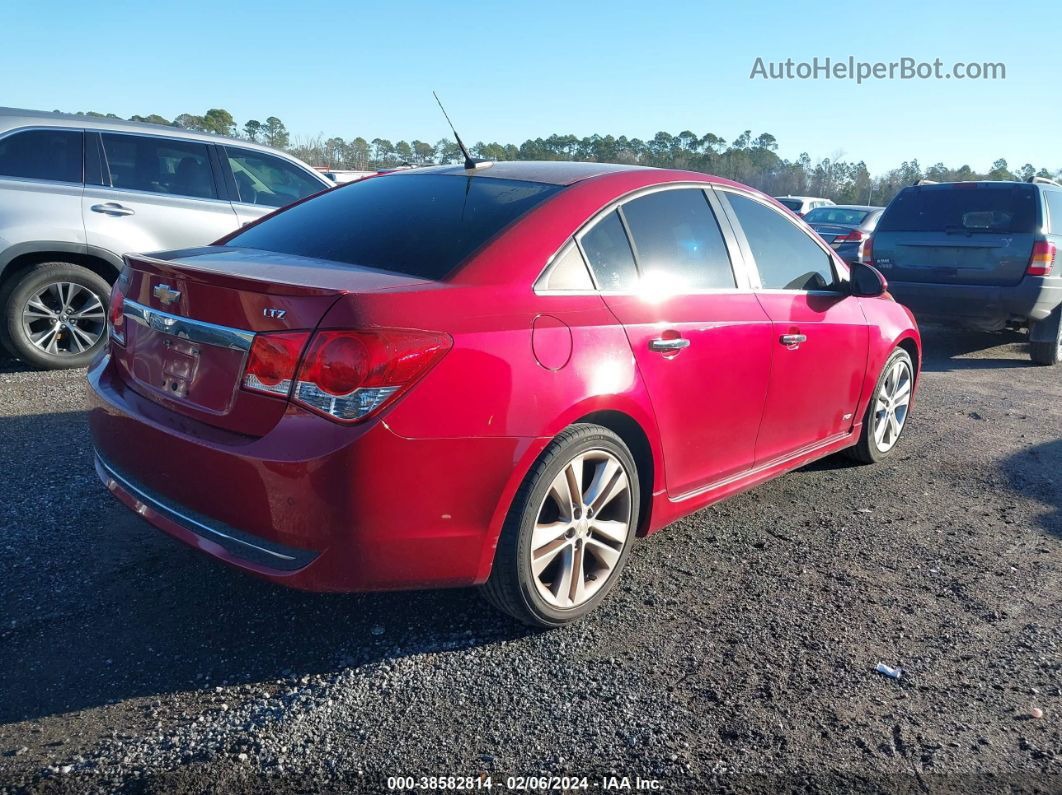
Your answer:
<point x="495" y="376"/>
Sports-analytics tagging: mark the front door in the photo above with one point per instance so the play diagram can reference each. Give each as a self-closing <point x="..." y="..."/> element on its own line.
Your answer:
<point x="819" y="337"/>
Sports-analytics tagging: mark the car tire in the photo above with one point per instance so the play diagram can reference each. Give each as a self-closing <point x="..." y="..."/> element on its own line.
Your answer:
<point x="1048" y="352"/>
<point x="549" y="559"/>
<point x="885" y="401"/>
<point x="70" y="292"/>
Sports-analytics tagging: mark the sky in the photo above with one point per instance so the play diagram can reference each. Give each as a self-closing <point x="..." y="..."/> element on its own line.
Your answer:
<point x="514" y="70"/>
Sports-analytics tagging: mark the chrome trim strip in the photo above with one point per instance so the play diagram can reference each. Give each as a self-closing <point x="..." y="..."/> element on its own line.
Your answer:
<point x="761" y="468"/>
<point x="187" y="520"/>
<point x="188" y="329"/>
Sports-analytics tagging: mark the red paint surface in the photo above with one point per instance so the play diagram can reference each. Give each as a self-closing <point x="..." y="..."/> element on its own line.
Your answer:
<point x="416" y="496"/>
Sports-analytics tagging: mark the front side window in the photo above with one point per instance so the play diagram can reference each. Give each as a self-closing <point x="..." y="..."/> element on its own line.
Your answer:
<point x="678" y="241"/>
<point x="159" y="165"/>
<point x="418" y="224"/>
<point x="786" y="257"/>
<point x="267" y="180"/>
<point x="609" y="252"/>
<point x="54" y="155"/>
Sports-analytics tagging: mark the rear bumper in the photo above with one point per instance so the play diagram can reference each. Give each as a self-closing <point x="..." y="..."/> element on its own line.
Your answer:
<point x="1033" y="298"/>
<point x="311" y="504"/>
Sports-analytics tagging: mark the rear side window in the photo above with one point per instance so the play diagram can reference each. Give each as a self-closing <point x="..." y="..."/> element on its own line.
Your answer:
<point x="43" y="154"/>
<point x="159" y="165"/>
<point x="677" y="237"/>
<point x="568" y="272"/>
<point x="609" y="252"/>
<point x="1054" y="207"/>
<point x="419" y="224"/>
<point x="792" y="204"/>
<point x="268" y="180"/>
<point x="786" y="257"/>
<point x="966" y="207"/>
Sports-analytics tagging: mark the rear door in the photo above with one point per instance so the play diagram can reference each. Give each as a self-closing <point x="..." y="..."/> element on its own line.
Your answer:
<point x="700" y="338"/>
<point x="819" y="334"/>
<point x="261" y="183"/>
<point x="958" y="233"/>
<point x="156" y="194"/>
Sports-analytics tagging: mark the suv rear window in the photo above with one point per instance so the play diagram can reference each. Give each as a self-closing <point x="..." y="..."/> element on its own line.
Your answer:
<point x="970" y="207"/>
<point x="418" y="224"/>
<point x="793" y="204"/>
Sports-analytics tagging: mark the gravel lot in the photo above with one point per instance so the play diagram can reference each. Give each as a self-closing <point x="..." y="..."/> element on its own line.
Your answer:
<point x="739" y="652"/>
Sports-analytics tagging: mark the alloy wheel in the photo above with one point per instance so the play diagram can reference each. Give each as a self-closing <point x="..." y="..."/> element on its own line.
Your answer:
<point x="64" y="319"/>
<point x="890" y="405"/>
<point x="581" y="529"/>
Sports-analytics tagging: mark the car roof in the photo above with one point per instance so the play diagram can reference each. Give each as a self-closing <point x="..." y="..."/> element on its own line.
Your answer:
<point x="20" y="117"/>
<point x="552" y="172"/>
<point x="804" y="198"/>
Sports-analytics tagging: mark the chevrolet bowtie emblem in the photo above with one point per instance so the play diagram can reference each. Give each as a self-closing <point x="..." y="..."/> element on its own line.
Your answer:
<point x="166" y="294"/>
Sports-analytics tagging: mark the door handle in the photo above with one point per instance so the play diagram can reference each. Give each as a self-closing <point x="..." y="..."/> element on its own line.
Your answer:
<point x="112" y="208"/>
<point x="673" y="345"/>
<point x="793" y="339"/>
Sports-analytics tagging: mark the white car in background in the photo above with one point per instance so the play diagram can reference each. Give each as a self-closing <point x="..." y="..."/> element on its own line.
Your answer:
<point x="802" y="205"/>
<point x="79" y="192"/>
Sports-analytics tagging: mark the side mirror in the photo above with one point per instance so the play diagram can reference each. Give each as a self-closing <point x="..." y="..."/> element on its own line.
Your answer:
<point x="867" y="281"/>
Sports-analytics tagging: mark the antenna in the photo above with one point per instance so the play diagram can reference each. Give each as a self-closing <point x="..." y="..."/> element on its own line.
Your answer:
<point x="470" y="162"/>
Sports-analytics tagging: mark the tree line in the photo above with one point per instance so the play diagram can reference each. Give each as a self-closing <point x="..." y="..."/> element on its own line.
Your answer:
<point x="753" y="160"/>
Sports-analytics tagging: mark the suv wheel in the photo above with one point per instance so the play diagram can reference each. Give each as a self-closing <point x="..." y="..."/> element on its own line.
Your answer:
<point x="55" y="315"/>
<point x="568" y="532"/>
<point x="1049" y="351"/>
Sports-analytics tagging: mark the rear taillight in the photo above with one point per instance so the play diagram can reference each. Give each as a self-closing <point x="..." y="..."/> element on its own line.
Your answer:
<point x="273" y="360"/>
<point x="1042" y="259"/>
<point x="344" y="375"/>
<point x="868" y="251"/>
<point x="350" y="375"/>
<point x="116" y="316"/>
<point x="855" y="236"/>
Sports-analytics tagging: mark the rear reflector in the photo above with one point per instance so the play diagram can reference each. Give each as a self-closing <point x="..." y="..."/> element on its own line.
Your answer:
<point x="1042" y="259"/>
<point x="855" y="236"/>
<point x="272" y="362"/>
<point x="868" y="251"/>
<point x="116" y="316"/>
<point x="350" y="375"/>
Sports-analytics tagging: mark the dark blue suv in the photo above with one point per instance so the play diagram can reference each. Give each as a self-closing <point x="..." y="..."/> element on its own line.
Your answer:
<point x="979" y="255"/>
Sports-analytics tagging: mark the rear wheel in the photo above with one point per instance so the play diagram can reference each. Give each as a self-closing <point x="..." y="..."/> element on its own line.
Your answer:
<point x="55" y="315"/>
<point x="1048" y="352"/>
<point x="569" y="530"/>
<point x="886" y="415"/>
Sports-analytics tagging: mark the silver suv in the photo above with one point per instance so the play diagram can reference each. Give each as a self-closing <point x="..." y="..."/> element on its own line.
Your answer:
<point x="76" y="193"/>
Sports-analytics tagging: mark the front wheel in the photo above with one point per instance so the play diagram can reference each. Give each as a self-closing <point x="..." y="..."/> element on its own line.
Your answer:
<point x="55" y="315"/>
<point x="569" y="530"/>
<point x="886" y="415"/>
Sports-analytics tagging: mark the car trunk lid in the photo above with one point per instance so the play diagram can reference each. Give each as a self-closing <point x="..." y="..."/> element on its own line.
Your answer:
<point x="960" y="233"/>
<point x="191" y="318"/>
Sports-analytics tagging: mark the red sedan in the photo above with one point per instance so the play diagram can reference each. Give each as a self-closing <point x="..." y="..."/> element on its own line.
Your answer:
<point x="497" y="377"/>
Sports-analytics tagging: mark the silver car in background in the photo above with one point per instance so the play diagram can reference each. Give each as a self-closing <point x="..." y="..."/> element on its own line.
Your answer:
<point x="846" y="227"/>
<point x="78" y="192"/>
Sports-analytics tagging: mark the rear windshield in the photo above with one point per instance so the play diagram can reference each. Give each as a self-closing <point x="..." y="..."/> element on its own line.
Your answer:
<point x="835" y="215"/>
<point x="969" y="207"/>
<point x="418" y="224"/>
<point x="792" y="204"/>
